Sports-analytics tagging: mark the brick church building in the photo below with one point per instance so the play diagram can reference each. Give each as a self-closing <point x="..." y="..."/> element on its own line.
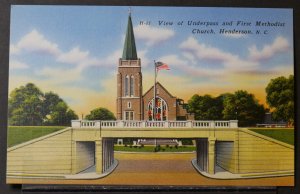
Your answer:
<point x="132" y="104"/>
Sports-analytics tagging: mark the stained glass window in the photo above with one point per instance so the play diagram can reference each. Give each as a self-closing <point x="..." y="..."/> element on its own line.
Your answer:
<point x="161" y="110"/>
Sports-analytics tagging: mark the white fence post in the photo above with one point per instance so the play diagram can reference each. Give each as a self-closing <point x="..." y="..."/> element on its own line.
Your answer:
<point x="233" y="123"/>
<point x="75" y="123"/>
<point x="189" y="124"/>
<point x="120" y="124"/>
<point x="212" y="124"/>
<point x="98" y="124"/>
<point x="166" y="124"/>
<point x="143" y="124"/>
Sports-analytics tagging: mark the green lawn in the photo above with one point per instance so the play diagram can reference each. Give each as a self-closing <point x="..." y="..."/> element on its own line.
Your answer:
<point x="20" y="134"/>
<point x="152" y="148"/>
<point x="285" y="135"/>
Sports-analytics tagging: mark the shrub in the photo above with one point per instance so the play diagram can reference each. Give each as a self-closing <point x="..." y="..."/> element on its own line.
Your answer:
<point x="157" y="148"/>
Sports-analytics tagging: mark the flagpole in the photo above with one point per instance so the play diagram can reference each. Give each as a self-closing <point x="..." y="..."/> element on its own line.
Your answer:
<point x="154" y="99"/>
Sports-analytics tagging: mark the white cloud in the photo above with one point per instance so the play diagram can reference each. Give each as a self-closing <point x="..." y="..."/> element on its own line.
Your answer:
<point x="74" y="56"/>
<point x="173" y="61"/>
<point x="145" y="61"/>
<point x="280" y="44"/>
<point x="59" y="75"/>
<point x="208" y="53"/>
<point x="81" y="59"/>
<point x="14" y="64"/>
<point x="190" y="57"/>
<point x="152" y="35"/>
<point x="183" y="65"/>
<point x="35" y="42"/>
<point x="112" y="59"/>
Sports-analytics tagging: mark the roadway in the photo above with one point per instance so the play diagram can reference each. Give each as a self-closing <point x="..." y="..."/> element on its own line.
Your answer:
<point x="161" y="169"/>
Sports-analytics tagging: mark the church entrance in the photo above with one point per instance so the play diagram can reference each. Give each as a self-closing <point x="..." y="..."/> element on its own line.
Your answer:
<point x="159" y="112"/>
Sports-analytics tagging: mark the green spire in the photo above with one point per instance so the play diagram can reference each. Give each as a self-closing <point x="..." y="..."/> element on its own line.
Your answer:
<point x="129" y="51"/>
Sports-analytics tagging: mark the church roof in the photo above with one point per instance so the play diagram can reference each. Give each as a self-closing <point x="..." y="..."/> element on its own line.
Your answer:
<point x="129" y="51"/>
<point x="159" y="84"/>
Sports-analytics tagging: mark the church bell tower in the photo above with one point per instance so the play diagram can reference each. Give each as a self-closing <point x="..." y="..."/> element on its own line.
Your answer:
<point x="129" y="80"/>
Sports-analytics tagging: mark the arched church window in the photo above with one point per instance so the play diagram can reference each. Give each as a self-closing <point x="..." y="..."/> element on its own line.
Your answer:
<point x="160" y="110"/>
<point x="131" y="85"/>
<point x="126" y="85"/>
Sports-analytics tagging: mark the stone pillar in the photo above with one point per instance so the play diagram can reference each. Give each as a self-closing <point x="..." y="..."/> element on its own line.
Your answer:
<point x="112" y="152"/>
<point x="108" y="151"/>
<point x="108" y="154"/>
<point x="105" y="155"/>
<point x="205" y="154"/>
<point x="201" y="153"/>
<point x="211" y="155"/>
<point x="98" y="156"/>
<point x="198" y="153"/>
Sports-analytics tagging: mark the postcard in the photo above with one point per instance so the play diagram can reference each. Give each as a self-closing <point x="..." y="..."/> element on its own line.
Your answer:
<point x="141" y="95"/>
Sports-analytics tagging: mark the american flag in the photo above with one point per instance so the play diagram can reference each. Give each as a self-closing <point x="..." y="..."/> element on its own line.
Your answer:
<point x="160" y="65"/>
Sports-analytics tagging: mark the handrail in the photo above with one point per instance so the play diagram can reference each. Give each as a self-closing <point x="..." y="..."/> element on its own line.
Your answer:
<point x="154" y="124"/>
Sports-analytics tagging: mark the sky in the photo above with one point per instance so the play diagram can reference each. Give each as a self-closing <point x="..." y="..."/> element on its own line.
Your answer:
<point x="74" y="50"/>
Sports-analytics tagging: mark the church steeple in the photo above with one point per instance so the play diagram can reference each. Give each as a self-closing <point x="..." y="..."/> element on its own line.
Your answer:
<point x="129" y="51"/>
<point x="129" y="80"/>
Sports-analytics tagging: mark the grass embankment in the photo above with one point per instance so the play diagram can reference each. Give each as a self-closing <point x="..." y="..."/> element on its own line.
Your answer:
<point x="285" y="135"/>
<point x="20" y="134"/>
<point x="152" y="148"/>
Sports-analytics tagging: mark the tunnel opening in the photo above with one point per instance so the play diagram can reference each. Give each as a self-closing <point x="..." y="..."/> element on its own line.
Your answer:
<point x="85" y="155"/>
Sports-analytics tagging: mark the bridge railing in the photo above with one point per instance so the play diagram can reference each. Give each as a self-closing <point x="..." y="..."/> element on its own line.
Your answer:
<point x="154" y="124"/>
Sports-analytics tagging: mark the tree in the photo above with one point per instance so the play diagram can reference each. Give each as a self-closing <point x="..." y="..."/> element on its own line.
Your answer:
<point x="206" y="107"/>
<point x="25" y="106"/>
<point x="280" y="98"/>
<point x="28" y="105"/>
<point x="60" y="114"/>
<point x="244" y="107"/>
<point x="57" y="111"/>
<point x="100" y="114"/>
<point x="50" y="101"/>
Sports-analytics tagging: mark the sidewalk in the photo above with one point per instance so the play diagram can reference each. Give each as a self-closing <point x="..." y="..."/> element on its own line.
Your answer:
<point x="220" y="173"/>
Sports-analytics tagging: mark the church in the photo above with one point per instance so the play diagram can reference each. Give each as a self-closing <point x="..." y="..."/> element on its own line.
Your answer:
<point x="132" y="104"/>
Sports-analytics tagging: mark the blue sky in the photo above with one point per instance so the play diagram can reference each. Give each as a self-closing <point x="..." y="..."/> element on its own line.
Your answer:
<point x="74" y="50"/>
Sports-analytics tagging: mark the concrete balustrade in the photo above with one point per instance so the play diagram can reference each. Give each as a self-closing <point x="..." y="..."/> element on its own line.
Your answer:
<point x="154" y="124"/>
